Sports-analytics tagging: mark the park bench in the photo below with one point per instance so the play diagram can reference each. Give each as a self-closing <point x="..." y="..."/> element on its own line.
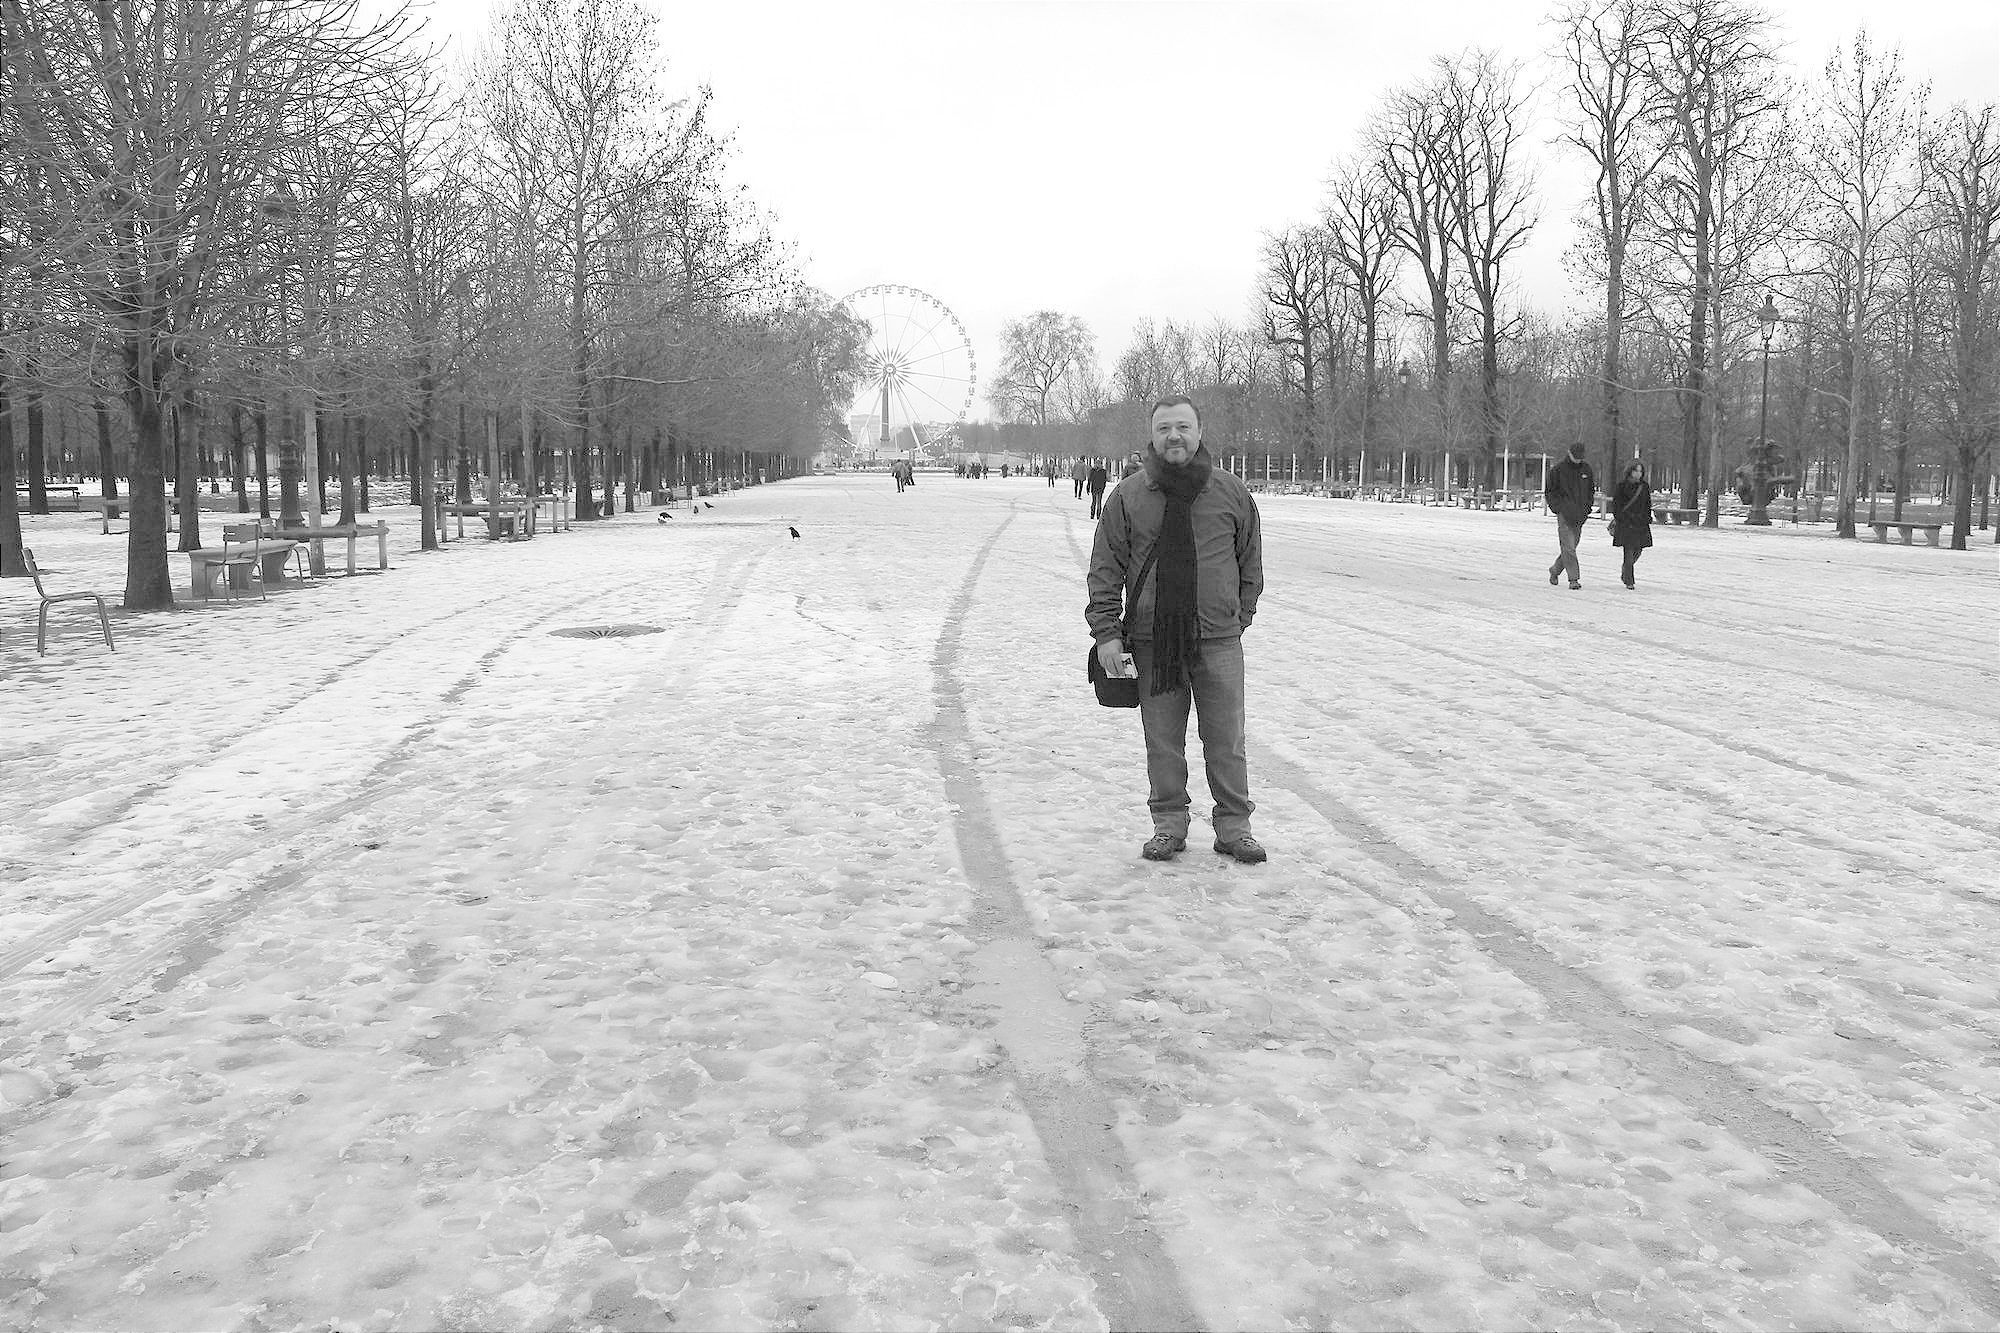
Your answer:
<point x="508" y="518"/>
<point x="75" y="494"/>
<point x="1908" y="529"/>
<point x="348" y="532"/>
<point x="1665" y="514"/>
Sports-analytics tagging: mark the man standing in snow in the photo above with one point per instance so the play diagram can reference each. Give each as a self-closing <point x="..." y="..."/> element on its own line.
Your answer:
<point x="1195" y="530"/>
<point x="1077" y="474"/>
<point x="1570" y="491"/>
<point x="1097" y="481"/>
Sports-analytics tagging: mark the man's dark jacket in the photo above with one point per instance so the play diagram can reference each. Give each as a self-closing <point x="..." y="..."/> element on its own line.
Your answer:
<point x="1571" y="491"/>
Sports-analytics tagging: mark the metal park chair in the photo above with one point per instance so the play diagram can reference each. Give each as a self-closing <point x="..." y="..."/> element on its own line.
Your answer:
<point x="49" y="599"/>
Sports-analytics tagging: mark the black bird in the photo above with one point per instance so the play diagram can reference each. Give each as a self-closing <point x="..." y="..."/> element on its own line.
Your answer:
<point x="707" y="505"/>
<point x="664" y="516"/>
<point x="793" y="531"/>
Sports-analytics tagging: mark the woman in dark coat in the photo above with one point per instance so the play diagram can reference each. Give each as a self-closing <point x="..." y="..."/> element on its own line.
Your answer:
<point x="1632" y="512"/>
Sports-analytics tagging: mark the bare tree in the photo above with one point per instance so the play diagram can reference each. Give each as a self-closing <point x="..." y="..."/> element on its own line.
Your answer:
<point x="1711" y="73"/>
<point x="1490" y="201"/>
<point x="1612" y="105"/>
<point x="153" y="125"/>
<point x="1295" y="287"/>
<point x="1039" y="354"/>
<point x="1961" y="199"/>
<point x="1863" y="172"/>
<point x="1359" y="224"/>
<point x="579" y="77"/>
<point x="1413" y="139"/>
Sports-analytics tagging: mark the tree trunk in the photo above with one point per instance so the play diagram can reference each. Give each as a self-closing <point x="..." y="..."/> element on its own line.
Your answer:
<point x="38" y="461"/>
<point x="260" y="419"/>
<point x="147" y="584"/>
<point x="236" y="457"/>
<point x="107" y="462"/>
<point x="11" y="564"/>
<point x="361" y="461"/>
<point x="187" y="494"/>
<point x="340" y="457"/>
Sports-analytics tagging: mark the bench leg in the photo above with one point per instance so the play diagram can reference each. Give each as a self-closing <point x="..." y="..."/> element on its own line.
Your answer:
<point x="1882" y="536"/>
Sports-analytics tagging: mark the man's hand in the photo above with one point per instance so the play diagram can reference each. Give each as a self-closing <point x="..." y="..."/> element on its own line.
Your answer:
<point x="1117" y="663"/>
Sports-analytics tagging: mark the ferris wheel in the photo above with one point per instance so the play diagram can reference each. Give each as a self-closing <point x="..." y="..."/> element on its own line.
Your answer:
<point x="918" y="370"/>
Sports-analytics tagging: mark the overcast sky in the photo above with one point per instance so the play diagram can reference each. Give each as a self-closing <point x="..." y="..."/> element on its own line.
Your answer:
<point x="1120" y="160"/>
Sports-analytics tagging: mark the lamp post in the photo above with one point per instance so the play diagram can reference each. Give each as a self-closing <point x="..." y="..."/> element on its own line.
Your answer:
<point x="1760" y="465"/>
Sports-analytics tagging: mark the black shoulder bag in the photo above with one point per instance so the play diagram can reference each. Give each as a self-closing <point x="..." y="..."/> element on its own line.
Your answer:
<point x="1120" y="691"/>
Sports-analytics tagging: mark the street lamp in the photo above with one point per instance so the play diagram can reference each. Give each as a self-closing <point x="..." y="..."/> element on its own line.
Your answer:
<point x="1760" y="465"/>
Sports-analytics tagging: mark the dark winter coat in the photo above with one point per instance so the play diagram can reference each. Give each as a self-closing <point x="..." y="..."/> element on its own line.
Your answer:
<point x="1099" y="479"/>
<point x="1571" y="491"/>
<point x="1632" y="511"/>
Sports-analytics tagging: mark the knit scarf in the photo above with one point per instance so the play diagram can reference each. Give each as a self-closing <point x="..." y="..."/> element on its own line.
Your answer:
<point x="1176" y="611"/>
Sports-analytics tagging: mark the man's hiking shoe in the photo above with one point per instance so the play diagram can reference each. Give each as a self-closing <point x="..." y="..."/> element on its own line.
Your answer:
<point x="1163" y="847"/>
<point x="1245" y="849"/>
<point x="1575" y="586"/>
<point x="1554" y="578"/>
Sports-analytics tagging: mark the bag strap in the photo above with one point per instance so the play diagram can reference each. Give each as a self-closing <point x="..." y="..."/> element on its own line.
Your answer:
<point x="1132" y="598"/>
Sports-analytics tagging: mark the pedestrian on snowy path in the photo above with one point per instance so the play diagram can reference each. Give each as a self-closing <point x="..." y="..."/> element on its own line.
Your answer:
<point x="1632" y="517"/>
<point x="1078" y="474"/>
<point x="1195" y="530"/>
<point x="1134" y="462"/>
<point x="1099" y="479"/>
<point x="1570" y="491"/>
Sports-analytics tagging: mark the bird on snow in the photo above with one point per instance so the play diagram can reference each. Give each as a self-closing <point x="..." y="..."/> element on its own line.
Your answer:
<point x="707" y="505"/>
<point x="664" y="516"/>
<point x="792" y="530"/>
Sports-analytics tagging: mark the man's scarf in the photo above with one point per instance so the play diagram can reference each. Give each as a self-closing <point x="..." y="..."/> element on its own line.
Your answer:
<point x="1176" y="612"/>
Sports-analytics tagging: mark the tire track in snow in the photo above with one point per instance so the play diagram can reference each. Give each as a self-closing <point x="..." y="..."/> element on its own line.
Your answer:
<point x="1736" y="744"/>
<point x="1710" y="1092"/>
<point x="190" y="940"/>
<point x="1044" y="1036"/>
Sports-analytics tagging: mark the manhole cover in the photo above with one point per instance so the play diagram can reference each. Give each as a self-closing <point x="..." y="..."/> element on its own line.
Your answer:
<point x="605" y="631"/>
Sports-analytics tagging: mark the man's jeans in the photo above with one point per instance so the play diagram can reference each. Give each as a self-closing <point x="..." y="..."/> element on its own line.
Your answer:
<point x="1217" y="697"/>
<point x="1567" y="561"/>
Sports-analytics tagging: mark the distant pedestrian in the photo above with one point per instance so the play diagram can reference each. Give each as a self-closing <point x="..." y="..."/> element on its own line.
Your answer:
<point x="1099" y="479"/>
<point x="1049" y="471"/>
<point x="1134" y="462"/>
<point x="1182" y="540"/>
<point x="1632" y="517"/>
<point x="1078" y="474"/>
<point x="1570" y="491"/>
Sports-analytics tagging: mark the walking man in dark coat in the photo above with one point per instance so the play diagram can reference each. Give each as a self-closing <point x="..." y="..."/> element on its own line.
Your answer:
<point x="1570" y="491"/>
<point x="1181" y="538"/>
<point x="1097" y="481"/>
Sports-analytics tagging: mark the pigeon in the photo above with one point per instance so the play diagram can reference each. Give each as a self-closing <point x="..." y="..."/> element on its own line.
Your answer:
<point x="792" y="530"/>
<point x="707" y="505"/>
<point x="664" y="516"/>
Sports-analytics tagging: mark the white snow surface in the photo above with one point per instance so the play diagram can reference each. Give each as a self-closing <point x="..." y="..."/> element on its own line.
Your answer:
<point x="372" y="958"/>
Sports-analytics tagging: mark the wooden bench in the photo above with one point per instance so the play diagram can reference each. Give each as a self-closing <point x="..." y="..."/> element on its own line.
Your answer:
<point x="509" y="518"/>
<point x="1908" y="529"/>
<point x="349" y="533"/>
<point x="75" y="494"/>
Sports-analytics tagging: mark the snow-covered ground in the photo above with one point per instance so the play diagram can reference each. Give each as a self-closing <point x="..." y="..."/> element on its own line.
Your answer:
<point x="371" y="957"/>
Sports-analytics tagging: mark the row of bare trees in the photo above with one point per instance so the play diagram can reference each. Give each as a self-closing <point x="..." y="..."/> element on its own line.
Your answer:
<point x="1392" y="322"/>
<point x="285" y="212"/>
